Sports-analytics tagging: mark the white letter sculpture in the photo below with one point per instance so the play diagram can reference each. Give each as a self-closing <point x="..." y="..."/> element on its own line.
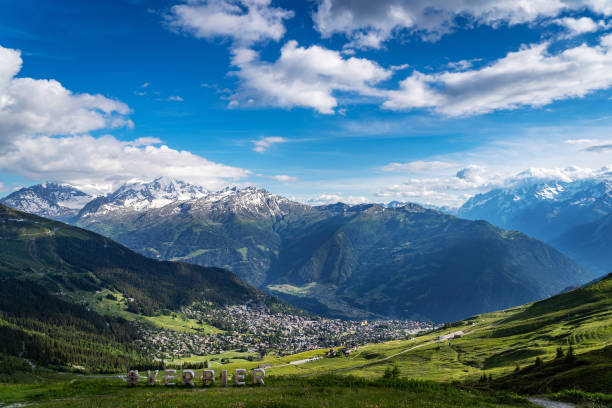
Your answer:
<point x="258" y="375"/>
<point x="188" y="376"/>
<point x="151" y="378"/>
<point x="133" y="378"/>
<point x="169" y="377"/>
<point x="208" y="378"/>
<point x="239" y="375"/>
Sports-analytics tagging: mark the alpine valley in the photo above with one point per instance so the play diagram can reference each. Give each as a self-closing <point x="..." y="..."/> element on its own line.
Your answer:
<point x="362" y="261"/>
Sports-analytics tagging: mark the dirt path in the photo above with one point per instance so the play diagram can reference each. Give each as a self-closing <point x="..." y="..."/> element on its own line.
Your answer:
<point x="550" y="404"/>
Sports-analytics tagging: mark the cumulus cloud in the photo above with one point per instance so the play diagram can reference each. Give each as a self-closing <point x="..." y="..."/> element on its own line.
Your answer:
<point x="244" y="21"/>
<point x="368" y="24"/>
<point x="582" y="25"/>
<point x="104" y="162"/>
<point x="40" y="106"/>
<point x="304" y="77"/>
<point x="418" y="166"/>
<point x="284" y="177"/>
<point x="265" y="143"/>
<point x="528" y="77"/>
<point x="43" y="136"/>
<point x="472" y="173"/>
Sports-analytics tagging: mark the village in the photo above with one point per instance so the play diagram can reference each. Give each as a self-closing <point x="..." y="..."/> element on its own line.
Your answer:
<point x="255" y="330"/>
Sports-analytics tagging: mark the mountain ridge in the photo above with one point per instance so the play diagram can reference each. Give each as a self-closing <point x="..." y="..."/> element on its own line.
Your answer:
<point x="340" y="260"/>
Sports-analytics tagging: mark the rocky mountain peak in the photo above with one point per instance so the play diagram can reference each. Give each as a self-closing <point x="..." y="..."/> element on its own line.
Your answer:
<point x="48" y="199"/>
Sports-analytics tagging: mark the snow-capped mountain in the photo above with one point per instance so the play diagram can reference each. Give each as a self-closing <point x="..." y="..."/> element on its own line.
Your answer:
<point x="542" y="209"/>
<point x="138" y="197"/>
<point x="442" y="208"/>
<point x="246" y="202"/>
<point x="250" y="201"/>
<point x="51" y="200"/>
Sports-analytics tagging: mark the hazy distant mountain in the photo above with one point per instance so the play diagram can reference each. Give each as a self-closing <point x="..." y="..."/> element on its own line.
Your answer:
<point x="51" y="200"/>
<point x="543" y="210"/>
<point x="351" y="261"/>
<point x="444" y="208"/>
<point x="589" y="244"/>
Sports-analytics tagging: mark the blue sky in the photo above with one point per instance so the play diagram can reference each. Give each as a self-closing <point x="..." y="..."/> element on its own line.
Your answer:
<point x="318" y="100"/>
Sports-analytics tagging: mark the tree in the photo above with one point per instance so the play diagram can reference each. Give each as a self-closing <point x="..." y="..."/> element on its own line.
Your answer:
<point x="538" y="362"/>
<point x="559" y="353"/>
<point x="391" y="372"/>
<point x="570" y="358"/>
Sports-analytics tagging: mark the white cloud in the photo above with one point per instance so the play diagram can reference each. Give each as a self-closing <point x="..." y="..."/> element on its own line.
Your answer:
<point x="323" y="199"/>
<point x="567" y="174"/>
<point x="578" y="25"/>
<point x="39" y="106"/>
<point x="472" y="173"/>
<point x="144" y="141"/>
<point x="265" y="143"/>
<point x="175" y="98"/>
<point x="463" y="64"/>
<point x="42" y="137"/>
<point x="582" y="25"/>
<point x="528" y="77"/>
<point x="418" y="166"/>
<point x="580" y="141"/>
<point x="400" y="67"/>
<point x="284" y="177"/>
<point x="102" y="163"/>
<point x="368" y="24"/>
<point x="244" y="21"/>
<point x="304" y="76"/>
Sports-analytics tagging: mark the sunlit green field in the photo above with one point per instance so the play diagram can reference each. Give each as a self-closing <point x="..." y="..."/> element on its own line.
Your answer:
<point x="278" y="392"/>
<point x="118" y="307"/>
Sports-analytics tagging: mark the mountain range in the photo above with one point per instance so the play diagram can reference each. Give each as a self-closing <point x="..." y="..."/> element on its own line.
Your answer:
<point x="572" y="216"/>
<point x="362" y="261"/>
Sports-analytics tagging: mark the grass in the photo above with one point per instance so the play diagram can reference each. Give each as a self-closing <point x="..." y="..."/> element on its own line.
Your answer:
<point x="291" y="289"/>
<point x="320" y="392"/>
<point x="100" y="303"/>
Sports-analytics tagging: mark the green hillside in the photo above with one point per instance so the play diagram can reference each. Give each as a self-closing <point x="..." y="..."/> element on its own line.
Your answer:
<point x="496" y="343"/>
<point x="70" y="260"/>
<point x="54" y="280"/>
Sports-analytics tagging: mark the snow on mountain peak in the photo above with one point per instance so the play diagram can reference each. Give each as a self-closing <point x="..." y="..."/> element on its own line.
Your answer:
<point x="49" y="199"/>
<point x="143" y="196"/>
